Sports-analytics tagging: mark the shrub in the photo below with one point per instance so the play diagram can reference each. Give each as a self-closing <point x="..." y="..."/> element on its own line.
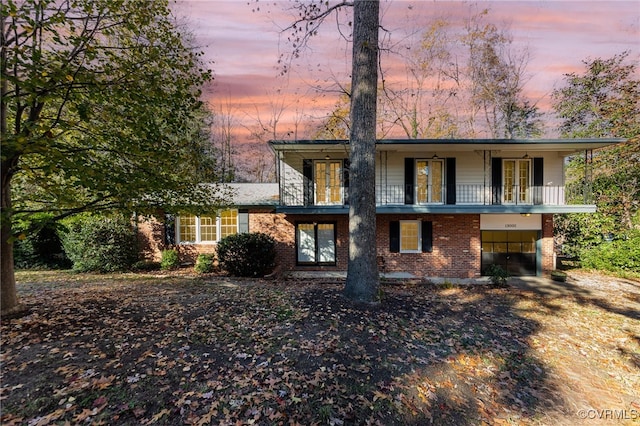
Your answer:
<point x="204" y="263"/>
<point x="169" y="260"/>
<point x="559" y="276"/>
<point x="100" y="244"/>
<point x="498" y="275"/>
<point x="38" y="244"/>
<point x="247" y="254"/>
<point x="620" y="256"/>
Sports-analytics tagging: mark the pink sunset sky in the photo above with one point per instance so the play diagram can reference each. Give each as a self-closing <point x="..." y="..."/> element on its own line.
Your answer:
<point x="243" y="40"/>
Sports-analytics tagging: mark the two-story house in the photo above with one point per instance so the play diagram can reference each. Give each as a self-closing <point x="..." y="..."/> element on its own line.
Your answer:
<point x="445" y="208"/>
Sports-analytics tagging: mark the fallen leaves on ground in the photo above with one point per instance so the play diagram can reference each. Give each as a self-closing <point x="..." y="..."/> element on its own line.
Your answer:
<point x="129" y="349"/>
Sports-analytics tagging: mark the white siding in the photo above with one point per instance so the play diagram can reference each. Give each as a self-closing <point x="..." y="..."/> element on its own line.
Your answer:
<point x="291" y="180"/>
<point x="473" y="174"/>
<point x="470" y="168"/>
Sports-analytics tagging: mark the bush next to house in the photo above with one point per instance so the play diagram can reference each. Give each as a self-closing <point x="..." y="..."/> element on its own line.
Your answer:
<point x="498" y="275"/>
<point x="247" y="254"/>
<point x="621" y="255"/>
<point x="169" y="260"/>
<point x="38" y="244"/>
<point x="100" y="244"/>
<point x="204" y="263"/>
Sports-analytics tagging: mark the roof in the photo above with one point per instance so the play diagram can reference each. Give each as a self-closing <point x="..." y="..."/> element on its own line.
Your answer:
<point x="560" y="145"/>
<point x="255" y="194"/>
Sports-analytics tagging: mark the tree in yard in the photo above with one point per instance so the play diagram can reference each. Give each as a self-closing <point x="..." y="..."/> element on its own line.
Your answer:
<point x="222" y="129"/>
<point x="424" y="105"/>
<point x="604" y="101"/>
<point x="100" y="110"/>
<point x="362" y="271"/>
<point x="460" y="82"/>
<point x="496" y="74"/>
<point x="336" y="125"/>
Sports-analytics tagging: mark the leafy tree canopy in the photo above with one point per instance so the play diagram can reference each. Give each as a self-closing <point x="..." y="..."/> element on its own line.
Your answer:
<point x="603" y="101"/>
<point x="100" y="107"/>
<point x="100" y="110"/>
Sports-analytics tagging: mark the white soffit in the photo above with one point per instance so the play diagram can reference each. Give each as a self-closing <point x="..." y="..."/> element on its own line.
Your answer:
<point x="510" y="222"/>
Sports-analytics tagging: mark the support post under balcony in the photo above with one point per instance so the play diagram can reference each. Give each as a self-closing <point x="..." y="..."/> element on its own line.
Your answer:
<point x="588" y="176"/>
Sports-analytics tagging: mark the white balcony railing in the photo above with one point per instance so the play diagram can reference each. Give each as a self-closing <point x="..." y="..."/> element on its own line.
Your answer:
<point x="465" y="194"/>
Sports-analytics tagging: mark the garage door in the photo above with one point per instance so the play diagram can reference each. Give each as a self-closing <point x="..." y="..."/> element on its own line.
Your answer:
<point x="515" y="251"/>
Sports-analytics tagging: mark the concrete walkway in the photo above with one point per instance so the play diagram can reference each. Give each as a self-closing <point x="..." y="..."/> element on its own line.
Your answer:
<point x="546" y="286"/>
<point x="580" y="284"/>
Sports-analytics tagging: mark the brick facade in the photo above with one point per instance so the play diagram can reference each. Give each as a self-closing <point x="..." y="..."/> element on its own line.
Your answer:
<point x="547" y="245"/>
<point x="456" y="243"/>
<point x="456" y="247"/>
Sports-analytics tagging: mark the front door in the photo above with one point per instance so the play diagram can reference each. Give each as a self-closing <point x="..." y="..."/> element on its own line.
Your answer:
<point x="514" y="251"/>
<point x="328" y="182"/>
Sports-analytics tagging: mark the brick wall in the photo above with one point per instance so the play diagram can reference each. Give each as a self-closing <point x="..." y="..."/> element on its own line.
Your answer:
<point x="456" y="243"/>
<point x="282" y="228"/>
<point x="282" y="231"/>
<point x="547" y="244"/>
<point x="456" y="247"/>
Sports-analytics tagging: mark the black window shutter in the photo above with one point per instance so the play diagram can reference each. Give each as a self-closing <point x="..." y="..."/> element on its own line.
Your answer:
<point x="307" y="181"/>
<point x="169" y="229"/>
<point x="496" y="179"/>
<point x="409" y="179"/>
<point x="538" y="180"/>
<point x="345" y="179"/>
<point x="394" y="236"/>
<point x="427" y="237"/>
<point x="451" y="180"/>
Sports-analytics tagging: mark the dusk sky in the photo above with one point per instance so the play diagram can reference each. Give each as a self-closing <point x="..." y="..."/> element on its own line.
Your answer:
<point x="244" y="44"/>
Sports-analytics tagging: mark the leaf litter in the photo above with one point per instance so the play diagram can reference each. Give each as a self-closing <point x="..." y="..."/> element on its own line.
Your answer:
<point x="133" y="349"/>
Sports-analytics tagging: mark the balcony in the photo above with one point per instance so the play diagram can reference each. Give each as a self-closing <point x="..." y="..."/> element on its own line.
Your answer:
<point x="463" y="195"/>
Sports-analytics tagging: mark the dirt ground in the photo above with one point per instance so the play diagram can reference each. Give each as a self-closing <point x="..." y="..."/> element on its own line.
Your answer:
<point x="188" y="349"/>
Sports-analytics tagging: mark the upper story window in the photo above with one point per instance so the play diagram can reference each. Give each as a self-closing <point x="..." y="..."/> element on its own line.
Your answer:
<point x="429" y="181"/>
<point x="206" y="229"/>
<point x="328" y="182"/>
<point x="516" y="178"/>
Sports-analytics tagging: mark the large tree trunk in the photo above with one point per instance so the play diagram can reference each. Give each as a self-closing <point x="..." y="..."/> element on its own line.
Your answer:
<point x="362" y="270"/>
<point x="8" y="297"/>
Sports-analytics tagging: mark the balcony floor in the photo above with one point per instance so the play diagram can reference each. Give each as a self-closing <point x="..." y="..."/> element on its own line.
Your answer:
<point x="447" y="209"/>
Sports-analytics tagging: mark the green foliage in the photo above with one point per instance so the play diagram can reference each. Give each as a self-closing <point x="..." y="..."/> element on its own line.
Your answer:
<point x="38" y="245"/>
<point x="498" y="275"/>
<point x="170" y="260"/>
<point x="247" y="254"/>
<point x="103" y="110"/>
<point x="579" y="231"/>
<point x="205" y="263"/>
<point x="601" y="102"/>
<point x="100" y="244"/>
<point x="621" y="255"/>
<point x="560" y="276"/>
